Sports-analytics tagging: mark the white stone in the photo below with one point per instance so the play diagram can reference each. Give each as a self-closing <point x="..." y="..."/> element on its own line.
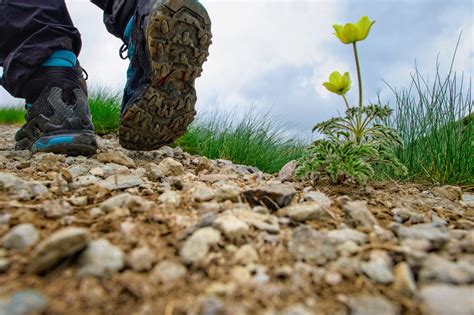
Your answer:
<point x="198" y="245"/>
<point x="21" y="236"/>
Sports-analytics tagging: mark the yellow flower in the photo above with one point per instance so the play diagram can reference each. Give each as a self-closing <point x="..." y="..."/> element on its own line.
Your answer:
<point x="339" y="84"/>
<point x="351" y="33"/>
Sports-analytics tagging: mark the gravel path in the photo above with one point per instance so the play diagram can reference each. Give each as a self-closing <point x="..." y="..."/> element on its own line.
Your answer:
<point x="164" y="232"/>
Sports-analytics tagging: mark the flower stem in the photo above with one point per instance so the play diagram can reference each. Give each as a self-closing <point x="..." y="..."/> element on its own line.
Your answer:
<point x="358" y="131"/>
<point x="359" y="77"/>
<point x="345" y="101"/>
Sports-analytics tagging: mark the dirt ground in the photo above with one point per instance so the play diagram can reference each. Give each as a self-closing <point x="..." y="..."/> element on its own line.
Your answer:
<point x="164" y="232"/>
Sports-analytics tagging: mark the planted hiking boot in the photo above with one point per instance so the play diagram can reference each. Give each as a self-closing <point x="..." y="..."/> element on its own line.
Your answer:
<point x="58" y="119"/>
<point x="168" y="42"/>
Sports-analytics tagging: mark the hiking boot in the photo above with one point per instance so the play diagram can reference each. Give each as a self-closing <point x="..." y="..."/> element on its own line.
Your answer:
<point x="168" y="42"/>
<point x="58" y="118"/>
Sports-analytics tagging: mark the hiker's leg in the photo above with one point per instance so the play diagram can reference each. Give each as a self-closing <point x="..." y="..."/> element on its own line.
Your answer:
<point x="31" y="31"/>
<point x="117" y="13"/>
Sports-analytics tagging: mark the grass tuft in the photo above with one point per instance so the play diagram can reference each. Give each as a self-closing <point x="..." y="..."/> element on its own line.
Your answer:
<point x="12" y="115"/>
<point x="257" y="140"/>
<point x="436" y="122"/>
<point x="105" y="110"/>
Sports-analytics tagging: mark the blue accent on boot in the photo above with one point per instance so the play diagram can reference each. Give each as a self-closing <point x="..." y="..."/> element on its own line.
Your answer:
<point x="127" y="34"/>
<point x="40" y="145"/>
<point x="61" y="58"/>
<point x="28" y="106"/>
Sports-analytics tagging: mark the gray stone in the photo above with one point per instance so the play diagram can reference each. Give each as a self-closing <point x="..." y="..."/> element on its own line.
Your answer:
<point x="318" y="196"/>
<point x="23" y="303"/>
<point x="439" y="269"/>
<point x="170" y="197"/>
<point x="307" y="211"/>
<point x="273" y="196"/>
<point x="445" y="299"/>
<point x="468" y="197"/>
<point x="226" y="192"/>
<point x="21" y="236"/>
<point x="202" y="193"/>
<point x="168" y="271"/>
<point x="212" y="305"/>
<point x="198" y="245"/>
<point x="141" y="259"/>
<point x="378" y="268"/>
<point x="401" y="215"/>
<point x="372" y="305"/>
<point x="86" y="180"/>
<point x="312" y="246"/>
<point x="61" y="244"/>
<point x="346" y="234"/>
<point x="100" y="255"/>
<point x="358" y="214"/>
<point x="287" y="173"/>
<point x="452" y="193"/>
<point x="16" y="188"/>
<point x="116" y="182"/>
<point x="111" y="169"/>
<point x="435" y="234"/>
<point x="232" y="227"/>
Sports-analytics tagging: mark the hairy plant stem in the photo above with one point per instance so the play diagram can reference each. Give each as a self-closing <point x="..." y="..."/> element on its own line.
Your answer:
<point x="345" y="101"/>
<point x="359" y="77"/>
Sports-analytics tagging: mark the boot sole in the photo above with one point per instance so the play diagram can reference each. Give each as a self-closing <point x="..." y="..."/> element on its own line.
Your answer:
<point x="71" y="144"/>
<point x="178" y="36"/>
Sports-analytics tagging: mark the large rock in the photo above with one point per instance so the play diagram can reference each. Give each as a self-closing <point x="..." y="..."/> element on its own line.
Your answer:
<point x="319" y="197"/>
<point x="444" y="299"/>
<point x="63" y="243"/>
<point x="273" y="196"/>
<point x="21" y="236"/>
<point x="312" y="246"/>
<point x="197" y="246"/>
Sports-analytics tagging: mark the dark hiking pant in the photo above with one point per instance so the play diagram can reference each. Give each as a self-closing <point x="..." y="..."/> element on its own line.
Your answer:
<point x="31" y="30"/>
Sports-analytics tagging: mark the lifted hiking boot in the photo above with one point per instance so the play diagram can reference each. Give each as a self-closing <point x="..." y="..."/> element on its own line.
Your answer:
<point x="58" y="118"/>
<point x="167" y="45"/>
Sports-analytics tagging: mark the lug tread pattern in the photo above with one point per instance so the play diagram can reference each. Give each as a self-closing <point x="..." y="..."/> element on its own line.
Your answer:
<point x="178" y="38"/>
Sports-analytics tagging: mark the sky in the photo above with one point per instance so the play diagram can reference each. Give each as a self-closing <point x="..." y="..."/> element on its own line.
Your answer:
<point x="273" y="56"/>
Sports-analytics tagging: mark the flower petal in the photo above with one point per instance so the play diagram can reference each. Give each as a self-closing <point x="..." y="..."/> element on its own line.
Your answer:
<point x="331" y="87"/>
<point x="350" y="33"/>
<point x="335" y="78"/>
<point x="339" y="31"/>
